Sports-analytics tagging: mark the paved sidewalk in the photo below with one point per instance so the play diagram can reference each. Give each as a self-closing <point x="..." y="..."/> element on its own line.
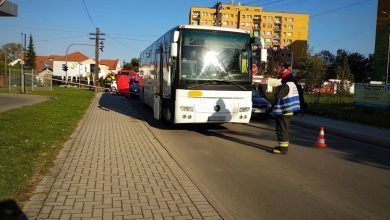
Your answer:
<point x="364" y="133"/>
<point x="114" y="168"/>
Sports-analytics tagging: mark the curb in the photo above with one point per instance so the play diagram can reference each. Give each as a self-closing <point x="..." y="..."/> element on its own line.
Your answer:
<point x="338" y="132"/>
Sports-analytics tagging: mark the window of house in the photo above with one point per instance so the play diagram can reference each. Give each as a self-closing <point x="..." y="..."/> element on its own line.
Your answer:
<point x="248" y="24"/>
<point x="194" y="23"/>
<point x="203" y="22"/>
<point x="243" y="16"/>
<point x="264" y="25"/>
<point x="290" y="27"/>
<point x="269" y="18"/>
<point x="249" y="16"/>
<point x="226" y="15"/>
<point x="269" y="25"/>
<point x="289" y="41"/>
<point x="267" y="40"/>
<point x="242" y="24"/>
<point x="224" y="23"/>
<point x="289" y="34"/>
<point x="290" y="19"/>
<point x="232" y="15"/>
<point x="268" y="33"/>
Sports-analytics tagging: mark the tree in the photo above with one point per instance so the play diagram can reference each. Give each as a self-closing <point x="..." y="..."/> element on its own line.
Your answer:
<point x="12" y="50"/>
<point x="368" y="70"/>
<point x="329" y="61"/>
<point x="343" y="72"/>
<point x="356" y="62"/>
<point x="311" y="70"/>
<point x="30" y="55"/>
<point x="133" y="65"/>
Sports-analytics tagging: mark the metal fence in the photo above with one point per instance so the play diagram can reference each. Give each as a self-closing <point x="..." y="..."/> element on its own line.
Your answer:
<point x="19" y="81"/>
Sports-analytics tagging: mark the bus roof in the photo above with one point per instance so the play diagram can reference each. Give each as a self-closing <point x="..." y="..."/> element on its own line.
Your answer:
<point x="201" y="27"/>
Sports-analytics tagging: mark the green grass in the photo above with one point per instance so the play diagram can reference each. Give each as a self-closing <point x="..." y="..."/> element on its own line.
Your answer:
<point x="342" y="108"/>
<point x="32" y="136"/>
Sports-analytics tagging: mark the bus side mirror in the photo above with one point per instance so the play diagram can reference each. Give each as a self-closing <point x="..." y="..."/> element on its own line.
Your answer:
<point x="173" y="49"/>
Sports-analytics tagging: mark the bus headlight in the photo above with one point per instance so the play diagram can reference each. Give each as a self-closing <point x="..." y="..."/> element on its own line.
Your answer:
<point x="187" y="108"/>
<point x="244" y="109"/>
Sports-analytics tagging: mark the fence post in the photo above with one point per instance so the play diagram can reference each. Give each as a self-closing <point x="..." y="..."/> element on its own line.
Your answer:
<point x="32" y="80"/>
<point x="9" y="80"/>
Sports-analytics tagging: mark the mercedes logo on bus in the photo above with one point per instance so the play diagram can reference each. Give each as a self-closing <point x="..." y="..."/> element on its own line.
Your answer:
<point x="217" y="108"/>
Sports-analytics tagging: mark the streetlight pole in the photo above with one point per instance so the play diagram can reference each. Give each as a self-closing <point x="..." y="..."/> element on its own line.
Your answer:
<point x="66" y="59"/>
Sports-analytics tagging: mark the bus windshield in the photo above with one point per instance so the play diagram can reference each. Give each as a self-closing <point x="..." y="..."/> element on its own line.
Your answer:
<point x="213" y="55"/>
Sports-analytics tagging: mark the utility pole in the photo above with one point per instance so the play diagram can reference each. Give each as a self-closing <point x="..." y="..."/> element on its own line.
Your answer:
<point x="98" y="45"/>
<point x="22" y="86"/>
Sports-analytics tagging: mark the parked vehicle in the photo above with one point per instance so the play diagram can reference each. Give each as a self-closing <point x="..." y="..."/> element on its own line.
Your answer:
<point x="261" y="108"/>
<point x="134" y="87"/>
<point x="199" y="74"/>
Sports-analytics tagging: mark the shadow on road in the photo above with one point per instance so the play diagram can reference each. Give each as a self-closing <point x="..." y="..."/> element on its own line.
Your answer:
<point x="300" y="136"/>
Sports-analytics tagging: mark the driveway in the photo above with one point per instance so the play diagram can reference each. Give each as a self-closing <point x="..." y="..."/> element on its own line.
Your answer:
<point x="12" y="101"/>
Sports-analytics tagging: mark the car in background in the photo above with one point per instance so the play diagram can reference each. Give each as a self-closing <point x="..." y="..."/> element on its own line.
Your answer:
<point x="134" y="87"/>
<point x="261" y="107"/>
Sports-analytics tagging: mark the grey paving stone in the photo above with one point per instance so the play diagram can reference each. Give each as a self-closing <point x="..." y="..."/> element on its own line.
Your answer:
<point x="113" y="167"/>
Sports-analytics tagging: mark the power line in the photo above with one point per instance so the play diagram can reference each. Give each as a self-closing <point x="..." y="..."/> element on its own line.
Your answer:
<point x="86" y="9"/>
<point x="62" y="38"/>
<point x="40" y="28"/>
<point x="338" y="9"/>
<point x="117" y="41"/>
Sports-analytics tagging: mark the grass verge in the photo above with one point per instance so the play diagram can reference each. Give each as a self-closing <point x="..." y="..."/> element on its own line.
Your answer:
<point x="32" y="136"/>
<point x="342" y="108"/>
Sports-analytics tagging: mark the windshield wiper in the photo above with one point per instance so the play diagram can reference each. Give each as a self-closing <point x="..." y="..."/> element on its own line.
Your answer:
<point x="234" y="83"/>
<point x="201" y="84"/>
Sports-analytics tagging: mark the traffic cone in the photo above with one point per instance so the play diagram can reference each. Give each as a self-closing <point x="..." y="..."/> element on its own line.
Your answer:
<point x="321" y="139"/>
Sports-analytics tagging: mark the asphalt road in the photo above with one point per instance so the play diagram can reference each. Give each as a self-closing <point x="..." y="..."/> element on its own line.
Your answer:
<point x="233" y="167"/>
<point x="12" y="101"/>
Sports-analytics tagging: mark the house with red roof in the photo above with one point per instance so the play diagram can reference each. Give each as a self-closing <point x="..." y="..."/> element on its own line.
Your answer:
<point x="79" y="65"/>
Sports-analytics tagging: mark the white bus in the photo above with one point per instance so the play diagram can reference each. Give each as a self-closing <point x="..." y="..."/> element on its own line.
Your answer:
<point x="199" y="74"/>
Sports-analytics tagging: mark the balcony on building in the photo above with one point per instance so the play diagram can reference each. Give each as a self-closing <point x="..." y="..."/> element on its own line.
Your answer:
<point x="276" y="42"/>
<point x="277" y="27"/>
<point x="278" y="20"/>
<point x="196" y="15"/>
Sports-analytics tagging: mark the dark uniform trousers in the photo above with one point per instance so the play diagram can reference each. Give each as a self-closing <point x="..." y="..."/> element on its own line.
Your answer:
<point x="282" y="127"/>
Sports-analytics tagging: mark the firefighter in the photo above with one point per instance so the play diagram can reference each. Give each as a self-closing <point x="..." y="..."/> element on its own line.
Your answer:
<point x="287" y="101"/>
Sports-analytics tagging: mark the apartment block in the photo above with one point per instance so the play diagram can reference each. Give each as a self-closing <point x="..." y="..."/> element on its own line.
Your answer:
<point x="285" y="34"/>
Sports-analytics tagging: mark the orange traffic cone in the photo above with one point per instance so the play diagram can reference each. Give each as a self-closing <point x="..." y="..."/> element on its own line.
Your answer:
<point x="321" y="139"/>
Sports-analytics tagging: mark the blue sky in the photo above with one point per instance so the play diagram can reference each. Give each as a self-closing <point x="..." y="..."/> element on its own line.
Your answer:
<point x="130" y="26"/>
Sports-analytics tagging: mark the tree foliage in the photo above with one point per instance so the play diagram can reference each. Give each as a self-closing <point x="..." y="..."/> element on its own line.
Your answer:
<point x="133" y="65"/>
<point x="311" y="70"/>
<point x="343" y="72"/>
<point x="30" y="55"/>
